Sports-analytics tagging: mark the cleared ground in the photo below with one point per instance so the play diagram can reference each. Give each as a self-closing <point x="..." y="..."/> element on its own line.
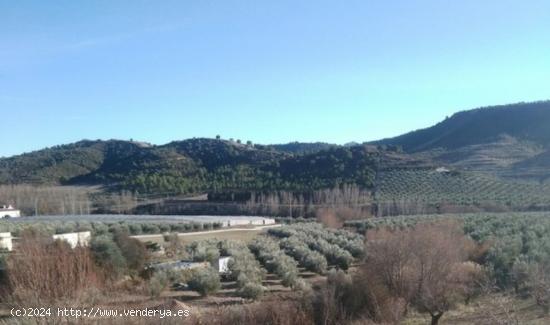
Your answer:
<point x="242" y="234"/>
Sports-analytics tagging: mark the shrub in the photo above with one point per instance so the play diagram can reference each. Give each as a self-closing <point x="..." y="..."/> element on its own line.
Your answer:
<point x="251" y="291"/>
<point x="45" y="271"/>
<point x="158" y="282"/>
<point x="108" y="256"/>
<point x="135" y="229"/>
<point x="205" y="281"/>
<point x="204" y="250"/>
<point x="275" y="260"/>
<point x="134" y="251"/>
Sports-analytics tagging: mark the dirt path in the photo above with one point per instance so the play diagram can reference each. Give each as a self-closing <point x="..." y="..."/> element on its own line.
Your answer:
<point x="198" y="233"/>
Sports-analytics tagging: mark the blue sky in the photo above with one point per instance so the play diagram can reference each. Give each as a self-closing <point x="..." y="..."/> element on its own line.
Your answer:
<point x="267" y="71"/>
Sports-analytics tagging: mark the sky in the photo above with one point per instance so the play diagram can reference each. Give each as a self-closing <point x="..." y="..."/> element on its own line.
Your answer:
<point x="266" y="71"/>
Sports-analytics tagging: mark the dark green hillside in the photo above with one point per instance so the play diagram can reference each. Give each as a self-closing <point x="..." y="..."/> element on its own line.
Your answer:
<point x="331" y="168"/>
<point x="60" y="164"/>
<point x="212" y="154"/>
<point x="524" y="121"/>
<point x="191" y="166"/>
<point x="302" y="147"/>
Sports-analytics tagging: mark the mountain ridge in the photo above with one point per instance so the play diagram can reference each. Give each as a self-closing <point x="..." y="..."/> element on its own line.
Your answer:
<point x="510" y="141"/>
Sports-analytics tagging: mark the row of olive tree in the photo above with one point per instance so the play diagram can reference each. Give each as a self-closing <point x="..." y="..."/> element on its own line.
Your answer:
<point x="244" y="269"/>
<point x="313" y="236"/>
<point x="268" y="252"/>
<point x="313" y="261"/>
<point x="101" y="228"/>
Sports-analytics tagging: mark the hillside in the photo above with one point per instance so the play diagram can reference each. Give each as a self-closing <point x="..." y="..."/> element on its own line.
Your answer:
<point x="501" y="140"/>
<point x="524" y="122"/>
<point x="489" y="153"/>
<point x="191" y="166"/>
<point x="302" y="147"/>
<point x="60" y="164"/>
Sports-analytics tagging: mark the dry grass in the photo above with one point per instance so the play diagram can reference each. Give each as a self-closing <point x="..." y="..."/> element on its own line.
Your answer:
<point x="491" y="309"/>
<point x="244" y="235"/>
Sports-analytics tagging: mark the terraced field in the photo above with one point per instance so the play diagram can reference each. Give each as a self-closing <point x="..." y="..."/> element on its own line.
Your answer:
<point x="460" y="188"/>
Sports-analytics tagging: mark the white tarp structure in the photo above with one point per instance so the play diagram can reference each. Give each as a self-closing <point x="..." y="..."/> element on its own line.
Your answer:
<point x="222" y="264"/>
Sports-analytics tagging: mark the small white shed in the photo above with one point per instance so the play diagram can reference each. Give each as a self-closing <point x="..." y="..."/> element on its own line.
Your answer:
<point x="6" y="241"/>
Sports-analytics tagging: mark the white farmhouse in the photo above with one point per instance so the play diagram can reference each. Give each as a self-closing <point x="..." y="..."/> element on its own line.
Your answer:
<point x="6" y="242"/>
<point x="75" y="238"/>
<point x="8" y="211"/>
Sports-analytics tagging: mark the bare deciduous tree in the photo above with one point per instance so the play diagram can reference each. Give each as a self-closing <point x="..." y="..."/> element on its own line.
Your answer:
<point x="423" y="265"/>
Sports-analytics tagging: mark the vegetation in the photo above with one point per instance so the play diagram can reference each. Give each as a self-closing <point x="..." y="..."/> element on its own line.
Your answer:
<point x="267" y="251"/>
<point x="58" y="226"/>
<point x="311" y="260"/>
<point x="427" y="264"/>
<point x="206" y="282"/>
<point x="339" y="247"/>
<point x="526" y="121"/>
<point x="190" y="166"/>
<point x="418" y="191"/>
<point x="514" y="248"/>
<point x="118" y="254"/>
<point x="48" y="271"/>
<point x="204" y="250"/>
<point x="244" y="269"/>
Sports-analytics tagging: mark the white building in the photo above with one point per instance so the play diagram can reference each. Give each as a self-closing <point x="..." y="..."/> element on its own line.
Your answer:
<point x="6" y="241"/>
<point x="8" y="211"/>
<point x="248" y="222"/>
<point x="75" y="238"/>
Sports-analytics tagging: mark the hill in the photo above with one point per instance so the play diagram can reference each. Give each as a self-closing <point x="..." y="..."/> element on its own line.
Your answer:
<point x="524" y="122"/>
<point x="501" y="140"/>
<point x="62" y="163"/>
<point x="302" y="147"/>
<point x="191" y="166"/>
<point x="474" y="157"/>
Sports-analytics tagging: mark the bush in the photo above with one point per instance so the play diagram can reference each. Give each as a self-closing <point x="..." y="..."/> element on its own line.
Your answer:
<point x="251" y="291"/>
<point x="205" y="282"/>
<point x="133" y="250"/>
<point x="275" y="260"/>
<point x="135" y="229"/>
<point x="158" y="282"/>
<point x="204" y="250"/>
<point x="244" y="269"/>
<point x="45" y="271"/>
<point x="108" y="256"/>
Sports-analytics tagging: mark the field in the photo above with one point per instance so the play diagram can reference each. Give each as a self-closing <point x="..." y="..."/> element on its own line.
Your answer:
<point x="134" y="224"/>
<point x="425" y="190"/>
<point x="240" y="234"/>
<point x="310" y="268"/>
